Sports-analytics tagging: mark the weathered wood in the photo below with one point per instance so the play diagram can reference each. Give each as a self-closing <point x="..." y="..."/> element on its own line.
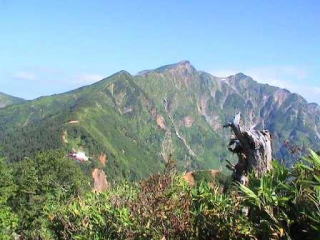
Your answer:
<point x="253" y="148"/>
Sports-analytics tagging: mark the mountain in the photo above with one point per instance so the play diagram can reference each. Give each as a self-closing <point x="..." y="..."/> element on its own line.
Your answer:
<point x="6" y="100"/>
<point x="130" y="125"/>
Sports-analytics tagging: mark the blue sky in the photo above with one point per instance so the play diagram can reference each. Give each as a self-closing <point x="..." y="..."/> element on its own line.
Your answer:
<point x="49" y="47"/>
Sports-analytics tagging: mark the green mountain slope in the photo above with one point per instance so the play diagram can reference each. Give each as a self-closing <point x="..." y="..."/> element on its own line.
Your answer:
<point x="136" y="123"/>
<point x="6" y="100"/>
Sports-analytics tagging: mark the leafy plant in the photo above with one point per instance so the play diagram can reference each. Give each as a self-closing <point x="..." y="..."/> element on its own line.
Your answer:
<point x="8" y="219"/>
<point x="284" y="203"/>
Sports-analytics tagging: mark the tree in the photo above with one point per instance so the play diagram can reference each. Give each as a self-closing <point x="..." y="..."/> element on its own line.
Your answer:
<point x="253" y="148"/>
<point x="8" y="220"/>
<point x="49" y="177"/>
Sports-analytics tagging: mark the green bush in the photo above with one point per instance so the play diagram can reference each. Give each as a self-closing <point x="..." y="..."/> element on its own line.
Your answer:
<point x="218" y="215"/>
<point x="160" y="207"/>
<point x="285" y="203"/>
<point x="282" y="204"/>
<point x="8" y="219"/>
<point x="46" y="179"/>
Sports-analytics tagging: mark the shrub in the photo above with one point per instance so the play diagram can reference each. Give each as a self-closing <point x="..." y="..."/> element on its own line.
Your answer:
<point x="285" y="203"/>
<point x="8" y="219"/>
<point x="218" y="215"/>
<point x="282" y="204"/>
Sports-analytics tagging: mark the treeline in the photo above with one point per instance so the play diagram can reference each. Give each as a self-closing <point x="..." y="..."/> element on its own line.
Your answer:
<point x="48" y="197"/>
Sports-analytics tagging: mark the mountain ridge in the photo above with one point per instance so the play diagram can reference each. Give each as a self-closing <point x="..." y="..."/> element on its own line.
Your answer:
<point x="7" y="100"/>
<point x="140" y="121"/>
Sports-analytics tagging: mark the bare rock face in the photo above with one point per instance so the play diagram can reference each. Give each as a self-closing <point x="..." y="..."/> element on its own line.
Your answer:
<point x="253" y="148"/>
<point x="215" y="172"/>
<point x="189" y="178"/>
<point x="73" y="121"/>
<point x="103" y="159"/>
<point x="100" y="183"/>
<point x="280" y="96"/>
<point x="161" y="122"/>
<point x="188" y="121"/>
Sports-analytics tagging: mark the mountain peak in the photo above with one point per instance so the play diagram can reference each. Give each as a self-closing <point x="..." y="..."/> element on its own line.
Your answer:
<point x="240" y="75"/>
<point x="122" y="73"/>
<point x="182" y="67"/>
<point x="184" y="63"/>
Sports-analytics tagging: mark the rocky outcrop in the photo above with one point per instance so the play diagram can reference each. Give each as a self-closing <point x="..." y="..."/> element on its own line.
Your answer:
<point x="100" y="182"/>
<point x="161" y="122"/>
<point x="193" y="177"/>
<point x="189" y="178"/>
<point x="103" y="159"/>
<point x="188" y="121"/>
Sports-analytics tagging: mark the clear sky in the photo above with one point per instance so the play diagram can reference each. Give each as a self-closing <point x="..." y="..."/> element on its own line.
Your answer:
<point x="49" y="47"/>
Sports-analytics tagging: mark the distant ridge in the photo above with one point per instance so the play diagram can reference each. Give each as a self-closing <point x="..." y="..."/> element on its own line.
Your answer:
<point x="6" y="100"/>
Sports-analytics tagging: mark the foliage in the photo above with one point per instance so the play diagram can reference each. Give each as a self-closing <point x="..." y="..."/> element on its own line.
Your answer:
<point x="45" y="198"/>
<point x="285" y="203"/>
<point x="217" y="215"/>
<point x="47" y="178"/>
<point x="157" y="207"/>
<point x="8" y="219"/>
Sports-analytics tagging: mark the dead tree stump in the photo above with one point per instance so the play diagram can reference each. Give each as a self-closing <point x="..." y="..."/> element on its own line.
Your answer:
<point x="253" y="148"/>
